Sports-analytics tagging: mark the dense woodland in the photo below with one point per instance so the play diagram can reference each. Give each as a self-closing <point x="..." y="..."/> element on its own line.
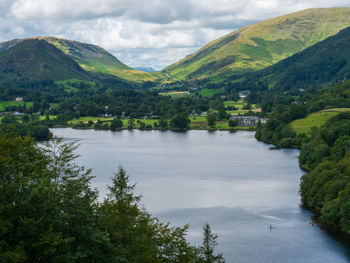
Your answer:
<point x="324" y="152"/>
<point x="50" y="213"/>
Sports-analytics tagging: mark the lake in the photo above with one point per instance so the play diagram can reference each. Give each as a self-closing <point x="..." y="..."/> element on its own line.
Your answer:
<point x="229" y="180"/>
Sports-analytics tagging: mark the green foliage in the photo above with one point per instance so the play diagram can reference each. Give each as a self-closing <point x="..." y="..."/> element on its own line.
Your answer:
<point x="29" y="126"/>
<point x="131" y="124"/>
<point x="49" y="213"/>
<point x="208" y="246"/>
<point x="211" y="118"/>
<point x="139" y="237"/>
<point x="163" y="124"/>
<point x="116" y="124"/>
<point x="180" y="121"/>
<point x="232" y="123"/>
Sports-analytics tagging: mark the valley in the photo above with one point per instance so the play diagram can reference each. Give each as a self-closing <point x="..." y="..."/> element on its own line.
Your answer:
<point x="250" y="132"/>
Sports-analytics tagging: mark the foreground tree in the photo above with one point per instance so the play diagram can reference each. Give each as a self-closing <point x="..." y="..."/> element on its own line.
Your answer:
<point x="208" y="247"/>
<point x="49" y="213"/>
<point x="46" y="205"/>
<point x="81" y="239"/>
<point x="138" y="236"/>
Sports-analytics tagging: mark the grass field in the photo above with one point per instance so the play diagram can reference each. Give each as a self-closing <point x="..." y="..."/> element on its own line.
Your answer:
<point x="50" y="116"/>
<point x="175" y="94"/>
<point x="146" y="121"/>
<point x="239" y="105"/>
<point x="209" y="92"/>
<point x="201" y="123"/>
<point x="315" y="119"/>
<point x="125" y="121"/>
<point x="70" y="84"/>
<point x="4" y="104"/>
<point x="89" y="118"/>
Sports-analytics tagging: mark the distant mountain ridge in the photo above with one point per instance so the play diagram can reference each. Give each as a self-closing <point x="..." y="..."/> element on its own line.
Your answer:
<point x="145" y="69"/>
<point x="261" y="45"/>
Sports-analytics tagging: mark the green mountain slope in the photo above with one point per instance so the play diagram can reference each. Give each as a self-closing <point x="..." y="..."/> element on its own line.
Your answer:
<point x="35" y="59"/>
<point x="326" y="61"/>
<point x="260" y="45"/>
<point x="91" y="58"/>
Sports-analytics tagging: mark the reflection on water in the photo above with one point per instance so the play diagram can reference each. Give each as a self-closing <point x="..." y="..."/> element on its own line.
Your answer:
<point x="229" y="180"/>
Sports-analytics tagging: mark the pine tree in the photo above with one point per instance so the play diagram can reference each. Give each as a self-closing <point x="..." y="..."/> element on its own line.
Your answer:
<point x="208" y="247"/>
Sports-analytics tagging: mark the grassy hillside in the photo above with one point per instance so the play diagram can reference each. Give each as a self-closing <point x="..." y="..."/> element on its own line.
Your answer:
<point x="91" y="58"/>
<point x="316" y="119"/>
<point x="36" y="59"/>
<point x="260" y="45"/>
<point x="326" y="61"/>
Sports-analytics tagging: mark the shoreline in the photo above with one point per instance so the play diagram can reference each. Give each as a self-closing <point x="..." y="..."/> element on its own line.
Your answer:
<point x="154" y="129"/>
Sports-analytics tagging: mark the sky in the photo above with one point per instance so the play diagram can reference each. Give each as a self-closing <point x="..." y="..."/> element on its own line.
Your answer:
<point x="150" y="33"/>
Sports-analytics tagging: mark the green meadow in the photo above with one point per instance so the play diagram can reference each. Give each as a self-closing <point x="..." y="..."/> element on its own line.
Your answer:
<point x="316" y="119"/>
<point x="175" y="94"/>
<point x="5" y="104"/>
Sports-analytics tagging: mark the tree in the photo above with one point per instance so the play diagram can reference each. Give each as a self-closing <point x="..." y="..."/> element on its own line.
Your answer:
<point x="47" y="209"/>
<point x="24" y="200"/>
<point x="180" y="121"/>
<point x="25" y="118"/>
<point x="90" y="123"/>
<point x="129" y="227"/>
<point x="208" y="246"/>
<point x="131" y="124"/>
<point x="233" y="123"/>
<point x="137" y="236"/>
<point x="222" y="115"/>
<point x="80" y="238"/>
<point x="163" y="124"/>
<point x="40" y="132"/>
<point x="211" y="118"/>
<point x="141" y="124"/>
<point x="7" y="119"/>
<point x="116" y="124"/>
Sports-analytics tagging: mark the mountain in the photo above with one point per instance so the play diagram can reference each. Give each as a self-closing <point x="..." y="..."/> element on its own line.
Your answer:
<point x="261" y="45"/>
<point x="145" y="69"/>
<point x="36" y="59"/>
<point x="90" y="57"/>
<point x="326" y="61"/>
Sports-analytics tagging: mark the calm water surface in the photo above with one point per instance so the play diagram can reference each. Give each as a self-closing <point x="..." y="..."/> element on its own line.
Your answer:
<point x="229" y="180"/>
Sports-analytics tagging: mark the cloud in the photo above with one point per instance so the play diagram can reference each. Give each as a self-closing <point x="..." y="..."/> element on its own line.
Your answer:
<point x="142" y="33"/>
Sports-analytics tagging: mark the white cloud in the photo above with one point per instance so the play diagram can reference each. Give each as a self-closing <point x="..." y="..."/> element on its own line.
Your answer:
<point x="142" y="33"/>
